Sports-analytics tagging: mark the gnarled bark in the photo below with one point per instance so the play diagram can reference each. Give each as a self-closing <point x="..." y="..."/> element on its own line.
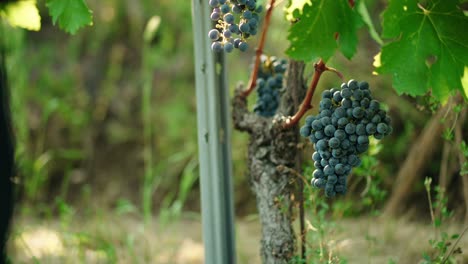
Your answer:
<point x="271" y="146"/>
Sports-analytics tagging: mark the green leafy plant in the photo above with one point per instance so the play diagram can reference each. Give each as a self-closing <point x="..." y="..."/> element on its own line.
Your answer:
<point x="443" y="245"/>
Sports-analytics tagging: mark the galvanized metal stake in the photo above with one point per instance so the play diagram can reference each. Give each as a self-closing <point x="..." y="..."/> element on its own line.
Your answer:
<point x="214" y="142"/>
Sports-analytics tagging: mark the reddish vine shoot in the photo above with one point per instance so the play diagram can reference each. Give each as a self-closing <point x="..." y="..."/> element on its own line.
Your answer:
<point x="259" y="50"/>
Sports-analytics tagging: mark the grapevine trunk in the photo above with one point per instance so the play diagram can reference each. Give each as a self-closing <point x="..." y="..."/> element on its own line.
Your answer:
<point x="272" y="146"/>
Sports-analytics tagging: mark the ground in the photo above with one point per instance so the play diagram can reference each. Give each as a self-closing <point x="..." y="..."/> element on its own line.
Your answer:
<point x="109" y="238"/>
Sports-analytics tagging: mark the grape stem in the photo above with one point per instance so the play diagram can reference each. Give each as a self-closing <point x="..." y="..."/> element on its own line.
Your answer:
<point x="319" y="67"/>
<point x="259" y="50"/>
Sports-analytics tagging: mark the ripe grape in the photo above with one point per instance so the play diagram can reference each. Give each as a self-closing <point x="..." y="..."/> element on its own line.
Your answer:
<point x="341" y="131"/>
<point x="269" y="83"/>
<point x="243" y="25"/>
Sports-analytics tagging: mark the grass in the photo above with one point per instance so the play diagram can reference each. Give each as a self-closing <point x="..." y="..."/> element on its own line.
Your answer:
<point x="107" y="237"/>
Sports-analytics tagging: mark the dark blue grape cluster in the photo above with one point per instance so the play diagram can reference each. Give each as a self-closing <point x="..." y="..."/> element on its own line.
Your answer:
<point x="269" y="83"/>
<point x="340" y="132"/>
<point x="236" y="21"/>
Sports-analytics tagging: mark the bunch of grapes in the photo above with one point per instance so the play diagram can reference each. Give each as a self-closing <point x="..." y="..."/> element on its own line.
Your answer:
<point x="269" y="83"/>
<point x="236" y="20"/>
<point x="340" y="132"/>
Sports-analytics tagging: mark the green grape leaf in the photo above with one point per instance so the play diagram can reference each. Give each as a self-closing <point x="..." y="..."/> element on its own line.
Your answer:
<point x="322" y="27"/>
<point x="22" y="14"/>
<point x="70" y="14"/>
<point x="428" y="47"/>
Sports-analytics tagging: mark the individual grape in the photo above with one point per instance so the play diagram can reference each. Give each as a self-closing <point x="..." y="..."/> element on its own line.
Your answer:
<point x="342" y="122"/>
<point x="317" y="125"/>
<point x="374" y="105"/>
<point x="318" y="183"/>
<point x="215" y="16"/>
<point x="340" y="188"/>
<point x="362" y="148"/>
<point x="358" y="112"/>
<point x="382" y="128"/>
<point x="363" y="140"/>
<point x="237" y="41"/>
<point x="329" y="130"/>
<point x="345" y="144"/>
<point x="309" y="120"/>
<point x="213" y="3"/>
<point x="225" y="8"/>
<point x="371" y="128"/>
<point x="360" y="129"/>
<point x="337" y="153"/>
<point x="330" y="191"/>
<point x="323" y="162"/>
<point x="325" y="155"/>
<point x="334" y="121"/>
<point x="318" y="174"/>
<point x="247" y="14"/>
<point x="340" y="112"/>
<point x="334" y="142"/>
<point x="328" y="170"/>
<point x="317" y="165"/>
<point x="352" y="84"/>
<point x="332" y="179"/>
<point x="365" y="103"/>
<point x="217" y="46"/>
<point x="325" y="103"/>
<point x="244" y="27"/>
<point x="236" y="9"/>
<point x="253" y="23"/>
<point x="321" y="144"/>
<point x="319" y="134"/>
<point x="325" y="120"/>
<point x="312" y="138"/>
<point x="213" y="34"/>
<point x="229" y="18"/>
<point x="346" y="103"/>
<point x="325" y="112"/>
<point x="227" y="34"/>
<point x="353" y="160"/>
<point x="243" y="46"/>
<point x="350" y="128"/>
<point x="326" y="94"/>
<point x="346" y="93"/>
<point x="340" y="134"/>
<point x="251" y="4"/>
<point x="342" y="180"/>
<point x="364" y="85"/>
<point x="357" y="94"/>
<point x="333" y="161"/>
<point x="305" y="131"/>
<point x="316" y="156"/>
<point x="388" y="120"/>
<point x="337" y="96"/>
<point x="228" y="47"/>
<point x="340" y="169"/>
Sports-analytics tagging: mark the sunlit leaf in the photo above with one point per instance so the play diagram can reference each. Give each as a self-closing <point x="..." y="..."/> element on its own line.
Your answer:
<point x="23" y="14"/>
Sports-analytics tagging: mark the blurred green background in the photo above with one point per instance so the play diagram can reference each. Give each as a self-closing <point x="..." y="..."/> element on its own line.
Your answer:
<point x="106" y="139"/>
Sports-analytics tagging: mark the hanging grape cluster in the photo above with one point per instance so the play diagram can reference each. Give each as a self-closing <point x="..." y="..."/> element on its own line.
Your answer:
<point x="236" y="21"/>
<point x="269" y="83"/>
<point x="340" y="132"/>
